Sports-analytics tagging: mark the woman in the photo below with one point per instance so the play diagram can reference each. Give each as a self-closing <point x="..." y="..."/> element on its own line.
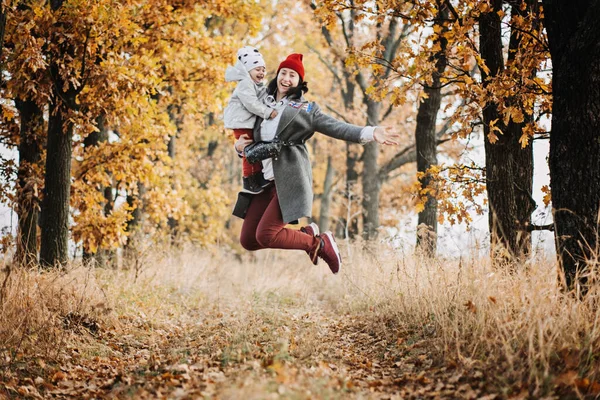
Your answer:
<point x="290" y="196"/>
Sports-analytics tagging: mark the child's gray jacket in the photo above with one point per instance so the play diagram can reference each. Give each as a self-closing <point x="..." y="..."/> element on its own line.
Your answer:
<point x="246" y="101"/>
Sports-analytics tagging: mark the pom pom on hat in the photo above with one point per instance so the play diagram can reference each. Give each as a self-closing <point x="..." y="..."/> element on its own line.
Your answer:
<point x="250" y="58"/>
<point x="293" y="61"/>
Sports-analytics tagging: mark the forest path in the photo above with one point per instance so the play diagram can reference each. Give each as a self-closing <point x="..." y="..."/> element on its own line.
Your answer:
<point x="213" y="326"/>
<point x="275" y="350"/>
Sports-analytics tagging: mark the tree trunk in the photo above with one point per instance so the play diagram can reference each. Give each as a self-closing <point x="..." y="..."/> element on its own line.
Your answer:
<point x="2" y="36"/>
<point x="389" y="42"/>
<point x="32" y="124"/>
<point x="352" y="158"/>
<point x="352" y="155"/>
<point x="172" y="222"/>
<point x="574" y="37"/>
<point x="57" y="184"/>
<point x="371" y="181"/>
<point x="507" y="165"/>
<point x="324" y="213"/>
<point x="174" y="115"/>
<point x="426" y="144"/>
<point x="134" y="225"/>
<point x="523" y="157"/>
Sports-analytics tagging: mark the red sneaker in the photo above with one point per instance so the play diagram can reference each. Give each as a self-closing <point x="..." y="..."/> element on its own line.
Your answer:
<point x="330" y="253"/>
<point x="312" y="230"/>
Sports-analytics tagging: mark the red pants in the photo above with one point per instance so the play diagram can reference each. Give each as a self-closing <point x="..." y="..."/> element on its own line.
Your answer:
<point x="264" y="227"/>
<point x="247" y="168"/>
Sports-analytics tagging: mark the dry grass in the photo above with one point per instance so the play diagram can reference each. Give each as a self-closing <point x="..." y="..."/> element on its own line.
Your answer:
<point x="38" y="310"/>
<point x="518" y="326"/>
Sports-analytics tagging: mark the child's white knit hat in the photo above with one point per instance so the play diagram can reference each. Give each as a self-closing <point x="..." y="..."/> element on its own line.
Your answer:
<point x="250" y="57"/>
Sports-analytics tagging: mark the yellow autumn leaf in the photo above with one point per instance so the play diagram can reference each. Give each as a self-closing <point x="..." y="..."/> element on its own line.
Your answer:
<point x="547" y="195"/>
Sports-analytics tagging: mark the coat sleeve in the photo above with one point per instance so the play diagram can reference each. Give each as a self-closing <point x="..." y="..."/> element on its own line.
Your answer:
<point x="336" y="129"/>
<point x="246" y="92"/>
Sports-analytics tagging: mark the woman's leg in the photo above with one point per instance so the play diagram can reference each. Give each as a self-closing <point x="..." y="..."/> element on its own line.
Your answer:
<point x="271" y="231"/>
<point x="255" y="213"/>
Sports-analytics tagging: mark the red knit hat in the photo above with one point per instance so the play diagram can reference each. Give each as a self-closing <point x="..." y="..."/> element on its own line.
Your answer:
<point x="293" y="61"/>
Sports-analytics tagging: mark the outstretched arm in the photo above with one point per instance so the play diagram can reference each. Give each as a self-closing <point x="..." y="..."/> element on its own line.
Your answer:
<point x="340" y="130"/>
<point x="336" y="129"/>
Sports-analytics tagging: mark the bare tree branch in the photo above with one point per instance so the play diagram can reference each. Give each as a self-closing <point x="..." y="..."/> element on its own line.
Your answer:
<point x="409" y="154"/>
<point x="403" y="157"/>
<point x="531" y="228"/>
<point x="344" y="30"/>
<point x="394" y="49"/>
<point x="387" y="112"/>
<point x="340" y="116"/>
<point x="329" y="66"/>
<point x="83" y="59"/>
<point x="362" y="82"/>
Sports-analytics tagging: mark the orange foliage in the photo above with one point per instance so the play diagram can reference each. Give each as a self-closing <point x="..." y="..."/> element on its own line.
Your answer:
<point x="133" y="63"/>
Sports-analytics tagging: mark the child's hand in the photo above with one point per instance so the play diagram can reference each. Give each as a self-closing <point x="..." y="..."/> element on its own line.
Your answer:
<point x="273" y="114"/>
<point x="242" y="142"/>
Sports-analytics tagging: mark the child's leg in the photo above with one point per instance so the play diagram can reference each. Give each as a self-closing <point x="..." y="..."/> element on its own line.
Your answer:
<point x="247" y="168"/>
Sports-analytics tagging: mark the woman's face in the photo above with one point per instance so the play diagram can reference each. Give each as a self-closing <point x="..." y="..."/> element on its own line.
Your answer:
<point x="287" y="79"/>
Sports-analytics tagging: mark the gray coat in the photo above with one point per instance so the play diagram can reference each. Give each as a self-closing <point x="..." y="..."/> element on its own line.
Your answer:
<point x="292" y="170"/>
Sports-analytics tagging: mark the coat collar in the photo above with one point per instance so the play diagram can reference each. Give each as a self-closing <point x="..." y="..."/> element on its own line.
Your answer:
<point x="291" y="110"/>
<point x="287" y="116"/>
<point x="288" y="113"/>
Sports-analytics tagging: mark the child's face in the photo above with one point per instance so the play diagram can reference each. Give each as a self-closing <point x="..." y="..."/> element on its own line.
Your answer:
<point x="257" y="74"/>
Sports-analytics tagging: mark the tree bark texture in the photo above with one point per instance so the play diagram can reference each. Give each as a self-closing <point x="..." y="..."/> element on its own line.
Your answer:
<point x="324" y="213"/>
<point x="352" y="159"/>
<point x="57" y="184"/>
<point x="426" y="144"/>
<point x="389" y="42"/>
<point x="28" y="203"/>
<point x="134" y="225"/>
<point x="176" y="118"/>
<point x="574" y="39"/>
<point x="370" y="179"/>
<point x="390" y="39"/>
<point x="523" y="157"/>
<point x="2" y="35"/>
<point x="352" y="155"/>
<point x="136" y="213"/>
<point x="509" y="168"/>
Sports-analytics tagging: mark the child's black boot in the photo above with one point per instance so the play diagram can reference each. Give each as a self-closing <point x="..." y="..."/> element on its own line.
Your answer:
<point x="253" y="184"/>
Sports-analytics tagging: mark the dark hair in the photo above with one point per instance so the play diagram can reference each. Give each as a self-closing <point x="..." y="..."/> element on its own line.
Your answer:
<point x="294" y="93"/>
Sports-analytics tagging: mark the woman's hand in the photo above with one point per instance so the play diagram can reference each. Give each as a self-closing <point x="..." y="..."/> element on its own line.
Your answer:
<point x="386" y="135"/>
<point x="241" y="143"/>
